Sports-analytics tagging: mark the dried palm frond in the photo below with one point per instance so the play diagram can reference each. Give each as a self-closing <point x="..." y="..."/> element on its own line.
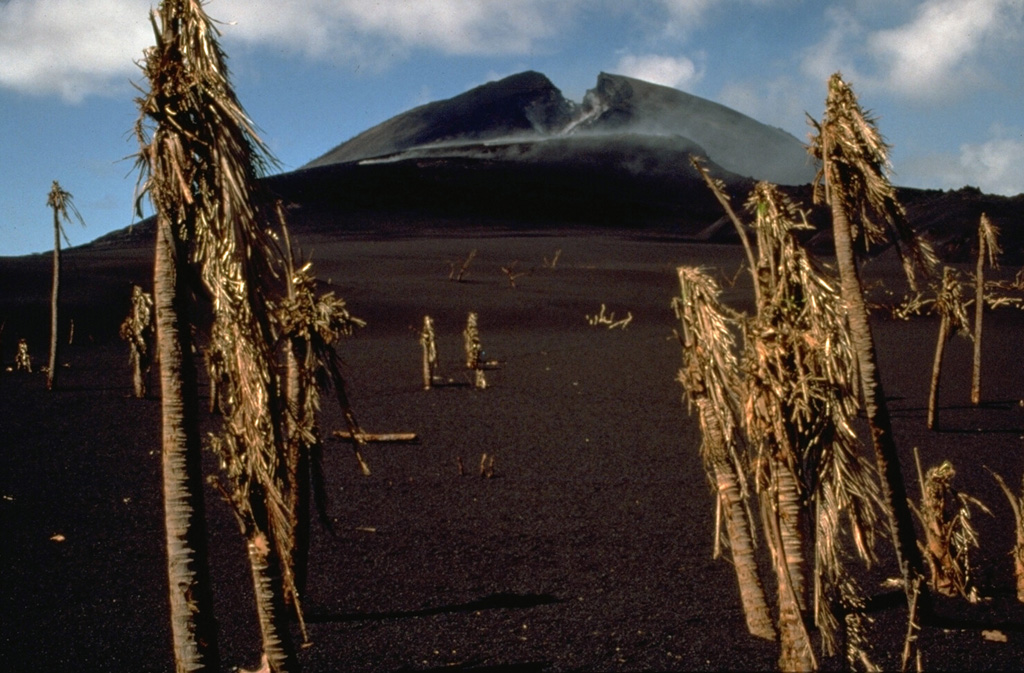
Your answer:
<point x="854" y="165"/>
<point x="710" y="379"/>
<point x="1017" y="507"/>
<point x="717" y="188"/>
<point x="710" y="368"/>
<point x="63" y="205"/>
<point x="949" y="304"/>
<point x="22" y="360"/>
<point x="801" y="399"/>
<point x="200" y="161"/>
<point x="945" y="514"/>
<point x="429" y="344"/>
<point x="313" y="324"/>
<point x="988" y="246"/>
<point x="474" y="351"/>
<point x="139" y="330"/>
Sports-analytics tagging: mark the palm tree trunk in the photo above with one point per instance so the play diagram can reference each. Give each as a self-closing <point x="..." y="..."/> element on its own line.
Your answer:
<point x="193" y="627"/>
<point x="796" y="653"/>
<point x="737" y="526"/>
<point x="135" y="362"/>
<point x="788" y="500"/>
<point x="298" y="495"/>
<point x="51" y="374"/>
<point x="266" y="575"/>
<point x="940" y="349"/>
<point x="755" y="606"/>
<point x="979" y="309"/>
<point x="893" y="489"/>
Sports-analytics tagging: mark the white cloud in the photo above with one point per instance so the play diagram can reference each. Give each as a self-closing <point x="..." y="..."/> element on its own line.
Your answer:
<point x="933" y="53"/>
<point x="74" y="48"/>
<point x="679" y="72"/>
<point x="392" y="27"/>
<point x="81" y="47"/>
<point x="835" y="51"/>
<point x="942" y="50"/>
<point x="994" y="165"/>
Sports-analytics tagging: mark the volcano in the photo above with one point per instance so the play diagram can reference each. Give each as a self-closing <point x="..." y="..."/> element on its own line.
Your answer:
<point x="517" y="154"/>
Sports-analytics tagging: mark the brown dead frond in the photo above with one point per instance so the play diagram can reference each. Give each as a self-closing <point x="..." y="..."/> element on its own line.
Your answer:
<point x="512" y="273"/>
<point x="139" y="331"/>
<point x="474" y="351"/>
<point x="429" y="345"/>
<point x="801" y="399"/>
<point x="457" y="272"/>
<point x="854" y="165"/>
<point x="1017" y="507"/>
<point x="945" y="514"/>
<point x="710" y="378"/>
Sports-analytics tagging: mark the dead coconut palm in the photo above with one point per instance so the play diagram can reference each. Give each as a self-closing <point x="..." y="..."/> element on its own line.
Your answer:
<point x="949" y="536"/>
<point x="799" y="406"/>
<point x="474" y="351"/>
<point x="1017" y="507"/>
<point x="310" y="324"/>
<point x="61" y="202"/>
<point x="201" y="159"/>
<point x="949" y="304"/>
<point x="710" y="378"/>
<point x="429" y="344"/>
<point x="193" y="627"/>
<point x="852" y="180"/>
<point x="138" y="330"/>
<point x="988" y="248"/>
<point x="22" y="359"/>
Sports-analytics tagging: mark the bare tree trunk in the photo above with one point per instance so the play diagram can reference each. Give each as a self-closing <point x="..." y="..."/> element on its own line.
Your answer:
<point x="51" y="374"/>
<point x="429" y="345"/>
<point x="940" y="349"/>
<point x="135" y="361"/>
<point x="796" y="653"/>
<point x="266" y="576"/>
<point x="893" y="488"/>
<point x="297" y="495"/>
<point x="979" y="309"/>
<point x="737" y="526"/>
<point x="755" y="606"/>
<point x="193" y="627"/>
<point x="788" y="501"/>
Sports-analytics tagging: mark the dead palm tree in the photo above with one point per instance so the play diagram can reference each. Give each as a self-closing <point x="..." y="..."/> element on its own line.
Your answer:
<point x="949" y="304"/>
<point x="710" y="377"/>
<point x="988" y="247"/>
<point x="799" y="406"/>
<point x="137" y="330"/>
<point x="61" y="202"/>
<point x="201" y="161"/>
<point x="1017" y="507"/>
<point x="852" y="180"/>
<point x="429" y="345"/>
<point x="474" y="351"/>
<point x="309" y="325"/>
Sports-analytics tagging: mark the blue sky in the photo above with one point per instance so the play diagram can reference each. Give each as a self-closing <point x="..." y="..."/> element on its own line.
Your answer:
<point x="944" y="77"/>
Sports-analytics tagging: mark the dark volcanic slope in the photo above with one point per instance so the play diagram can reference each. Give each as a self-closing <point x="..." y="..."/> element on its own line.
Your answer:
<point x="735" y="141"/>
<point x="520" y="105"/>
<point x="515" y="153"/>
<point x="528" y="106"/>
